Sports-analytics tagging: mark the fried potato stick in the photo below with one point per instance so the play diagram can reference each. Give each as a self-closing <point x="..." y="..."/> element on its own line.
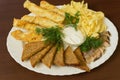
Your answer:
<point x="46" y="5"/>
<point x="42" y="21"/>
<point x="39" y="11"/>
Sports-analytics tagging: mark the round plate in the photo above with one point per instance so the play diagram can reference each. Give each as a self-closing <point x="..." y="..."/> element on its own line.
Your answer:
<point x="15" y="48"/>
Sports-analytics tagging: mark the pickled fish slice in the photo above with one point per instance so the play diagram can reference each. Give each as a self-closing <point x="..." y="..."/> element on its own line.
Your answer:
<point x="39" y="11"/>
<point x="46" y="5"/>
<point x="48" y="59"/>
<point x="70" y="57"/>
<point x="32" y="48"/>
<point x="59" y="57"/>
<point x="82" y="64"/>
<point x="37" y="57"/>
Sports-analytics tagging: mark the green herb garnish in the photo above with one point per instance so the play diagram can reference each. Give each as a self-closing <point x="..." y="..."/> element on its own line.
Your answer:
<point x="69" y="19"/>
<point x="91" y="42"/>
<point x="52" y="35"/>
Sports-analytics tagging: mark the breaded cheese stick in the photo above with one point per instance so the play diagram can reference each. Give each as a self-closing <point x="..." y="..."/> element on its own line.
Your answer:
<point x="42" y="21"/>
<point x="24" y="24"/>
<point x="26" y="37"/>
<point x="43" y="12"/>
<point x="46" y="5"/>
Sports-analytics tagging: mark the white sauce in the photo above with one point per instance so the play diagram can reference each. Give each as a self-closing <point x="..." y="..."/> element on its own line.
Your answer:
<point x="73" y="37"/>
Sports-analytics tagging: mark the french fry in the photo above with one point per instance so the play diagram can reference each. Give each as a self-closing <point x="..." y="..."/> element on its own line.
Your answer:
<point x="39" y="11"/>
<point x="46" y="5"/>
<point x="24" y="25"/>
<point x="42" y="21"/>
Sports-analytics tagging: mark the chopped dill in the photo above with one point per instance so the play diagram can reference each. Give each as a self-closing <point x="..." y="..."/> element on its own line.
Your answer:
<point x="72" y="20"/>
<point x="52" y="35"/>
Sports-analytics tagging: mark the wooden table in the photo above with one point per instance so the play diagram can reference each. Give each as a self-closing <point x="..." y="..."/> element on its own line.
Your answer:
<point x="10" y="70"/>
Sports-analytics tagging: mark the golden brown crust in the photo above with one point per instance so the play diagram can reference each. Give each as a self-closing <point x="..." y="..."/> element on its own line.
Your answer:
<point x="70" y="58"/>
<point x="37" y="57"/>
<point x="82" y="62"/>
<point x="41" y="21"/>
<point x="39" y="11"/>
<point x="32" y="48"/>
<point x="59" y="57"/>
<point x="49" y="57"/>
<point x="46" y="5"/>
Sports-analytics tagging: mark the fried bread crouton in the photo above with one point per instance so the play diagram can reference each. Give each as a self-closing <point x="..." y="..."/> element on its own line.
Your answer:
<point x="59" y="57"/>
<point x="70" y="57"/>
<point x="37" y="57"/>
<point x="49" y="57"/>
<point x="32" y="48"/>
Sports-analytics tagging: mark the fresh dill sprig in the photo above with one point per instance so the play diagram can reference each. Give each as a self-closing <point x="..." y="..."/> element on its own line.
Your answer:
<point x="72" y="20"/>
<point x="52" y="35"/>
<point x="91" y="42"/>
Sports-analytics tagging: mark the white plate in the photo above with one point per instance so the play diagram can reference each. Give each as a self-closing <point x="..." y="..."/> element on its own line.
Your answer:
<point x="15" y="48"/>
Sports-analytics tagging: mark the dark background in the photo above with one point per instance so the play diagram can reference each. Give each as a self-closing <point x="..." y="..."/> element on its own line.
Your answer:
<point x="10" y="70"/>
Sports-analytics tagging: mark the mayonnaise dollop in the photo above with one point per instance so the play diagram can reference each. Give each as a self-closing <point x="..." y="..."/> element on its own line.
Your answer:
<point x="72" y="36"/>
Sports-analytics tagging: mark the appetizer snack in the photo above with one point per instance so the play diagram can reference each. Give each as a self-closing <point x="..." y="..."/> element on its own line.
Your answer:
<point x="72" y="35"/>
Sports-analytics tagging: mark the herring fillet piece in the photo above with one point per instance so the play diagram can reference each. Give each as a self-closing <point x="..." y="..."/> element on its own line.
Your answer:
<point x="39" y="11"/>
<point x="95" y="54"/>
<point x="70" y="57"/>
<point x="32" y="48"/>
<point x="82" y="63"/>
<point x="46" y="5"/>
<point x="42" y="21"/>
<point x="59" y="57"/>
<point x="49" y="57"/>
<point x="38" y="56"/>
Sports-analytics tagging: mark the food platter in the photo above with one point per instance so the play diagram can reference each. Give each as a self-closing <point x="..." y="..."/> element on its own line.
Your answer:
<point x="15" y="48"/>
